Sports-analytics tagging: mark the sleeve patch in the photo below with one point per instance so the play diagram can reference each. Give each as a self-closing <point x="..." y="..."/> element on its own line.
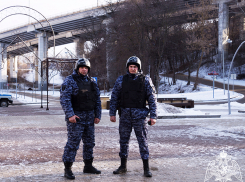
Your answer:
<point x="153" y="88"/>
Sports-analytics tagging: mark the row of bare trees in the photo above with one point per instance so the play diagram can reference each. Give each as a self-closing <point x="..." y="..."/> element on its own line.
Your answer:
<point x="165" y="38"/>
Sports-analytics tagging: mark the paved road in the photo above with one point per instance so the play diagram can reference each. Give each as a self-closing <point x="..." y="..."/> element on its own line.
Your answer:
<point x="238" y="88"/>
<point x="32" y="142"/>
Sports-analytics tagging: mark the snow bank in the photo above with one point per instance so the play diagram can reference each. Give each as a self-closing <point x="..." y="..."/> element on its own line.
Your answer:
<point x="165" y="109"/>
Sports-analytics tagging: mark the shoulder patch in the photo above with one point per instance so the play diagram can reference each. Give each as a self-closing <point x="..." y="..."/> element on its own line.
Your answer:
<point x="151" y="84"/>
<point x="153" y="88"/>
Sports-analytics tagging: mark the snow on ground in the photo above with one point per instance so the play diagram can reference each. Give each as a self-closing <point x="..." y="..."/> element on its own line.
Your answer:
<point x="205" y="94"/>
<point x="237" y="130"/>
<point x="204" y="70"/>
<point x="168" y="110"/>
<point x="163" y="109"/>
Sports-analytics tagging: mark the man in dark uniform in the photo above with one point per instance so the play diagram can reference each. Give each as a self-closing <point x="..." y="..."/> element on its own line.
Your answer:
<point x="80" y="100"/>
<point x="130" y="93"/>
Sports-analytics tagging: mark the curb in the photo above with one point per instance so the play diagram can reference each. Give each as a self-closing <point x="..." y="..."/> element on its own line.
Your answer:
<point x="219" y="100"/>
<point x="188" y="116"/>
<point x="241" y="111"/>
<point x="28" y="103"/>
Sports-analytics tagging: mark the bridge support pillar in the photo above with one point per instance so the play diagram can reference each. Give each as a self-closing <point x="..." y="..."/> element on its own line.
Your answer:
<point x="35" y="69"/>
<point x="3" y="67"/>
<point x="242" y="27"/>
<point x="112" y="72"/>
<point x="15" y="72"/>
<point x="42" y="54"/>
<point x="11" y="69"/>
<point x="79" y="46"/>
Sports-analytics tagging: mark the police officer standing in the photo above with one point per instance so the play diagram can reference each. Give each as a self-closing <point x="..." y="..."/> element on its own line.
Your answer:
<point x="130" y="93"/>
<point x="80" y="100"/>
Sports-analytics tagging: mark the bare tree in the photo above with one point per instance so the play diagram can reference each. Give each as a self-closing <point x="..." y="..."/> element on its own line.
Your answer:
<point x="200" y="31"/>
<point x="142" y="28"/>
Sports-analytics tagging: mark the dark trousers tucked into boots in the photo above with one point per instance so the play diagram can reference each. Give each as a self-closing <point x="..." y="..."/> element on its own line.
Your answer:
<point x="147" y="172"/>
<point x="68" y="172"/>
<point x="89" y="168"/>
<point x="122" y="168"/>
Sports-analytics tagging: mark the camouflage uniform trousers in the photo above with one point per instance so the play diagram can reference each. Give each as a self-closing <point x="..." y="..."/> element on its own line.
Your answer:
<point x="140" y="129"/>
<point x="76" y="133"/>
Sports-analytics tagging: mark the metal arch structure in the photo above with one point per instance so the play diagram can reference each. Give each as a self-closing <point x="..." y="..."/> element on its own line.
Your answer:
<point x="20" y="13"/>
<point x="41" y="20"/>
<point x="71" y="54"/>
<point x="21" y="40"/>
<point x="57" y="64"/>
<point x="24" y="54"/>
<point x="60" y="64"/>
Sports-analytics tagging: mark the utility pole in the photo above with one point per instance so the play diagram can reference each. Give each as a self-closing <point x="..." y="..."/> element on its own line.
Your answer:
<point x="29" y="13"/>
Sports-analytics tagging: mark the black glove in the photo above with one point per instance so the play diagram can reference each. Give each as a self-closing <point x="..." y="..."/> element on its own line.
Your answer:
<point x="149" y="122"/>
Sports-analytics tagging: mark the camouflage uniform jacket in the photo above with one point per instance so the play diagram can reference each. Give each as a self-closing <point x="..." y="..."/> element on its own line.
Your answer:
<point x="134" y="113"/>
<point x="69" y="88"/>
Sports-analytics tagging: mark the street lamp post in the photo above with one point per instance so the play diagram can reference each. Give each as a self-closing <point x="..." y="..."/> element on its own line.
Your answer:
<point x="213" y="86"/>
<point x="7" y="85"/>
<point x="229" y="106"/>
<point x="53" y="85"/>
<point x="32" y="84"/>
<point x="227" y="41"/>
<point x="16" y="82"/>
<point x="214" y="74"/>
<point x="224" y="71"/>
<point x="24" y="88"/>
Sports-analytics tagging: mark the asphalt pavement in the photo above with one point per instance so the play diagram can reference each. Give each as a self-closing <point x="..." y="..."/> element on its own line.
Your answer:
<point x="32" y="141"/>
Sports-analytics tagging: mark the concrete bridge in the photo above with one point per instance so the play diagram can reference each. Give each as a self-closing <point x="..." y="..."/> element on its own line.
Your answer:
<point x="38" y="38"/>
<point x="73" y="28"/>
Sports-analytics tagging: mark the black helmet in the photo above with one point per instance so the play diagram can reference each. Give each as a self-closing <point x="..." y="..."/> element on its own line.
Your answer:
<point x="135" y="61"/>
<point x="82" y="62"/>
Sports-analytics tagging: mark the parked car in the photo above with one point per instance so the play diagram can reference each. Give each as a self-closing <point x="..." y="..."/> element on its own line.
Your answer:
<point x="5" y="100"/>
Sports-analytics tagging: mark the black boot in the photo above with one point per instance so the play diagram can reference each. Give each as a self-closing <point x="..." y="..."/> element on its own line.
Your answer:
<point x="68" y="173"/>
<point x="122" y="168"/>
<point x="147" y="172"/>
<point x="88" y="168"/>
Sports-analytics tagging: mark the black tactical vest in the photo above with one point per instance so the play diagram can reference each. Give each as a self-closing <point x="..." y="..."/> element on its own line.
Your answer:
<point x="133" y="92"/>
<point x="85" y="100"/>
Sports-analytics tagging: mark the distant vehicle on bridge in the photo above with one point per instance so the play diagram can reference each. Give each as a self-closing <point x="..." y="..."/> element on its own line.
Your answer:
<point x="5" y="100"/>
